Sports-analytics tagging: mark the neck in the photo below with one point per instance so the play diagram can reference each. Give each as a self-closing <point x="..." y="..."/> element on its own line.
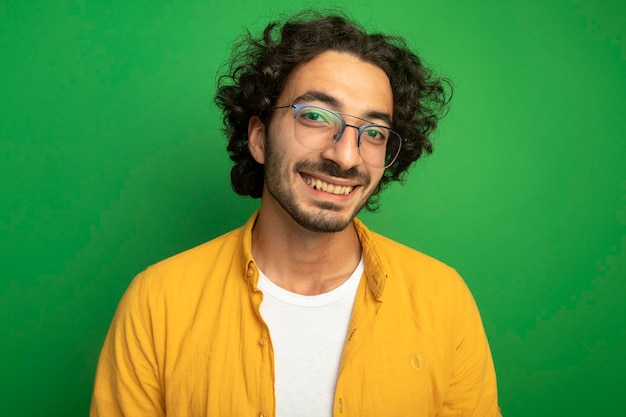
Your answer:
<point x="300" y="260"/>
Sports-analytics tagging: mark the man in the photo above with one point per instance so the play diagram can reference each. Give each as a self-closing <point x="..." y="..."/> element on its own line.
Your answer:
<point x="303" y="311"/>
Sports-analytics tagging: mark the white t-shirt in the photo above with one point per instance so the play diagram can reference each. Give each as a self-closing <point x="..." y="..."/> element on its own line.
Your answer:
<point x="308" y="335"/>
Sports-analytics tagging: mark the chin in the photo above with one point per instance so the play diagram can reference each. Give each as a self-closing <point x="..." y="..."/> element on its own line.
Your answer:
<point x="326" y="220"/>
<point x="324" y="226"/>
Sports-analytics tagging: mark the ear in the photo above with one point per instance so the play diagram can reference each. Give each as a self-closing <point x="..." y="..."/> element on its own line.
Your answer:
<point x="256" y="139"/>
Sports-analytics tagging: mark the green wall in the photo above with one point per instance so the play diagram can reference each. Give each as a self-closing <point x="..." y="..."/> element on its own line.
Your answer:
<point x="111" y="158"/>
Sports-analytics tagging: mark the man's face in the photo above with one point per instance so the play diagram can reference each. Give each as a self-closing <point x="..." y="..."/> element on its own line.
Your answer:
<point x="323" y="191"/>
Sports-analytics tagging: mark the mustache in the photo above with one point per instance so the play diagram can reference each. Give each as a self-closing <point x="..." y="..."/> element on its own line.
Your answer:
<point x="332" y="169"/>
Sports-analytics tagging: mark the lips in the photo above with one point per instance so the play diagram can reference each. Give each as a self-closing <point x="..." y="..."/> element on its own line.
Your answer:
<point x="336" y="189"/>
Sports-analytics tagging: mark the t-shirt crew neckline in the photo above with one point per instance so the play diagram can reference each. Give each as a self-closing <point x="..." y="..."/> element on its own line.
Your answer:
<point x="346" y="288"/>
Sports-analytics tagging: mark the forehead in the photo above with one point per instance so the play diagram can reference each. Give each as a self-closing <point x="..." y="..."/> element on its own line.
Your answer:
<point x="356" y="86"/>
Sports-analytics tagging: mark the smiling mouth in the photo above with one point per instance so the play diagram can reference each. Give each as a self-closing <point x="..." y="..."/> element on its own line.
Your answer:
<point x="318" y="184"/>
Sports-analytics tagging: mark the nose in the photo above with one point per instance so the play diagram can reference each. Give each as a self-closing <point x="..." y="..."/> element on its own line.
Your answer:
<point x="345" y="150"/>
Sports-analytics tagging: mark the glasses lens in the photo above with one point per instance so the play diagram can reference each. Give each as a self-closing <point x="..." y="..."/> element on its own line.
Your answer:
<point x="316" y="128"/>
<point x="379" y="146"/>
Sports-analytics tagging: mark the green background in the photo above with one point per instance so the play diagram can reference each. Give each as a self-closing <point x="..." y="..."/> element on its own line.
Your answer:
<point x="111" y="158"/>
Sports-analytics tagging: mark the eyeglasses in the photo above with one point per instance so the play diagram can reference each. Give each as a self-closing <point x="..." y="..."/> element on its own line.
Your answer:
<point x="318" y="129"/>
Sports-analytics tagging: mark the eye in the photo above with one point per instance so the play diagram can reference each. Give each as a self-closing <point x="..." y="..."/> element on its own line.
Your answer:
<point x="375" y="134"/>
<point x="314" y="116"/>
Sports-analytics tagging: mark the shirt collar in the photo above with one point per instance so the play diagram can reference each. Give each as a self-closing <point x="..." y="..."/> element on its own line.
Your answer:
<point x="375" y="270"/>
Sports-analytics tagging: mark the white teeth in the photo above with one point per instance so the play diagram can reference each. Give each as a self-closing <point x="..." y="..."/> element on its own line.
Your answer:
<point x="329" y="188"/>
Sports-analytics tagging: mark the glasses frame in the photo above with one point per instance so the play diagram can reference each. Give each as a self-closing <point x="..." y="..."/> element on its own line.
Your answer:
<point x="360" y="129"/>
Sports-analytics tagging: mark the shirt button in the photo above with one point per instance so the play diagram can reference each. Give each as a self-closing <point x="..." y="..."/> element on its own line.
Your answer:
<point x="264" y="415"/>
<point x="263" y="341"/>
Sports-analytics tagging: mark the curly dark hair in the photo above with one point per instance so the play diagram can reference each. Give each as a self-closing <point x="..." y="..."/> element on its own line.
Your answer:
<point x="259" y="67"/>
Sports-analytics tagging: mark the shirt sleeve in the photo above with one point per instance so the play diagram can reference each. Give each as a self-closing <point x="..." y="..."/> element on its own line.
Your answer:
<point x="473" y="388"/>
<point x="127" y="379"/>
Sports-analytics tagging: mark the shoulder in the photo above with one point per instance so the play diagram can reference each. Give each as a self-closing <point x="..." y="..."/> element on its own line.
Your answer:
<point x="233" y="246"/>
<point x="201" y="256"/>
<point x="396" y="251"/>
<point x="196" y="269"/>
<point x="391" y="254"/>
<point x="407" y="269"/>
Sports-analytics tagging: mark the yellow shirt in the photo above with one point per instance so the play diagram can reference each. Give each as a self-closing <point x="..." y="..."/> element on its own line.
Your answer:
<point x="188" y="339"/>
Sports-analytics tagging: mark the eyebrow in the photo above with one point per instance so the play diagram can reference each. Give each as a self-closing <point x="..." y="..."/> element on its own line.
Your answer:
<point x="314" y="95"/>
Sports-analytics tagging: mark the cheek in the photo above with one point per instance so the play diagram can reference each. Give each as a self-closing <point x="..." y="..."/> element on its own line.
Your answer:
<point x="376" y="176"/>
<point x="284" y="152"/>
